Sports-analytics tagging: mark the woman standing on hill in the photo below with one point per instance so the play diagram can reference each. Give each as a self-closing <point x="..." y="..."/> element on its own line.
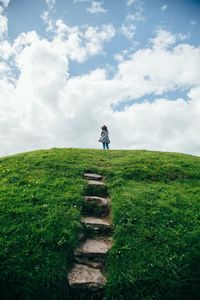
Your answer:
<point x="104" y="139"/>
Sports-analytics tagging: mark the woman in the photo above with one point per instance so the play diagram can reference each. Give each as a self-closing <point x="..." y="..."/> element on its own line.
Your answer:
<point x="104" y="139"/>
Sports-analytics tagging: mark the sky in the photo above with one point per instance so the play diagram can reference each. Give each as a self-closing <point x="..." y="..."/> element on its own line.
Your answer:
<point x="67" y="67"/>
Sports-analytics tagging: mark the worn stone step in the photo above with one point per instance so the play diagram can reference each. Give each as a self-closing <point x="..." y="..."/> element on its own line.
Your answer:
<point x="97" y="206"/>
<point x="96" y="263"/>
<point x="95" y="183"/>
<point x="96" y="188"/>
<point x="93" y="252"/>
<point x="92" y="176"/>
<point x="86" y="278"/>
<point x="94" y="248"/>
<point x="97" y="224"/>
<point x="98" y="200"/>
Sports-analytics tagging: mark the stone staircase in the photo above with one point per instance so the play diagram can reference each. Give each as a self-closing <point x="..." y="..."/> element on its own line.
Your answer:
<point x="86" y="278"/>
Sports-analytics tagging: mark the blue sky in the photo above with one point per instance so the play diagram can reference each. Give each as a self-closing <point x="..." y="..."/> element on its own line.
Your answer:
<point x="73" y="65"/>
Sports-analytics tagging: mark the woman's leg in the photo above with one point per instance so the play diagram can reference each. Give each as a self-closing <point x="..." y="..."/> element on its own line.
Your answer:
<point x="107" y="146"/>
<point x="104" y="146"/>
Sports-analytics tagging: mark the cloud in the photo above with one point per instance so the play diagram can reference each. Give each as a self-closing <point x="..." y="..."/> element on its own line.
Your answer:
<point x="134" y="16"/>
<point x="4" y="3"/>
<point x="6" y="50"/>
<point x="159" y="70"/>
<point x="164" y="7"/>
<point x="3" y="26"/>
<point x="161" y="125"/>
<point x="130" y="2"/>
<point x="128" y="31"/>
<point x="45" y="16"/>
<point x="50" y="4"/>
<point x="3" y="19"/>
<point x="96" y="8"/>
<point x="136" y="8"/>
<point x="46" y="107"/>
<point x="163" y="39"/>
<point x="32" y="102"/>
<point x="96" y="37"/>
<point x="78" y="44"/>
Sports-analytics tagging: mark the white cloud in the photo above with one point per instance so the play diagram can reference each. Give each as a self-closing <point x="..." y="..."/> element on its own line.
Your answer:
<point x="119" y="57"/>
<point x="95" y="37"/>
<point x="163" y="39"/>
<point x="4" y="71"/>
<point x="164" y="7"/>
<point x="96" y="7"/>
<point x="50" y="4"/>
<point x="194" y="94"/>
<point x="3" y="26"/>
<point x="4" y="3"/>
<point x="128" y="31"/>
<point x="46" y="107"/>
<point x="123" y="55"/>
<point x="159" y="70"/>
<point x="136" y="8"/>
<point x="48" y="21"/>
<point x="135" y="17"/>
<point x="3" y="19"/>
<point x="182" y="37"/>
<point x="130" y="2"/>
<point x="161" y="125"/>
<point x="79" y="44"/>
<point x="6" y="50"/>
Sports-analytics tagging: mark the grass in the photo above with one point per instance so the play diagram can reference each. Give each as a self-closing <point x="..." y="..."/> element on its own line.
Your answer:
<point x="156" y="214"/>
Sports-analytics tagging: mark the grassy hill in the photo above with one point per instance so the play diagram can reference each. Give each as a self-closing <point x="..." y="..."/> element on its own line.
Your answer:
<point x="156" y="214"/>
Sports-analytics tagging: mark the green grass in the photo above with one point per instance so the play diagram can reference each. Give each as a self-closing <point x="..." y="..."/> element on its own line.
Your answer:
<point x="156" y="214"/>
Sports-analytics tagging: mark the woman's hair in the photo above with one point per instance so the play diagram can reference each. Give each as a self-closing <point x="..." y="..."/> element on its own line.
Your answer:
<point x="104" y="127"/>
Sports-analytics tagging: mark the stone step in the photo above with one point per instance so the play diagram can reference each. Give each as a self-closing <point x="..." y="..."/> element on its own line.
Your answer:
<point x="86" y="278"/>
<point x="95" y="183"/>
<point x="96" y="188"/>
<point x="97" y="205"/>
<point x="92" y="176"/>
<point x="93" y="252"/>
<point x="97" y="224"/>
<point x="93" y="248"/>
<point x="96" y="263"/>
<point x="98" y="200"/>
